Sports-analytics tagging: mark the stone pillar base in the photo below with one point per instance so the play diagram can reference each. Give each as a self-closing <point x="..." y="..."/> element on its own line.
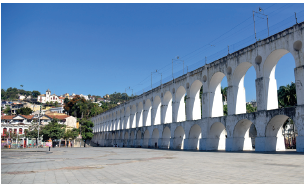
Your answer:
<point x="300" y="143"/>
<point x="203" y="144"/>
<point x="171" y="143"/>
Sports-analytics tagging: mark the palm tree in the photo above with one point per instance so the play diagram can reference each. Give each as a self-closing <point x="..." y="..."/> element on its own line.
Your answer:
<point x="287" y="95"/>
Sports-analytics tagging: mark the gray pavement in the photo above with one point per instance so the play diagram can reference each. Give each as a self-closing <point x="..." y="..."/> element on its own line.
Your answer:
<point x="96" y="165"/>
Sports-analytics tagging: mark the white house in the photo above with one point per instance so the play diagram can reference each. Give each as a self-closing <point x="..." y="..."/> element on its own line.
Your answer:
<point x="47" y="97"/>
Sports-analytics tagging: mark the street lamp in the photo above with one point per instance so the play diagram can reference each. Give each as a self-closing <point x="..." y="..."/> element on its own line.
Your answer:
<point x="160" y="77"/>
<point x="177" y="60"/>
<point x="260" y="10"/>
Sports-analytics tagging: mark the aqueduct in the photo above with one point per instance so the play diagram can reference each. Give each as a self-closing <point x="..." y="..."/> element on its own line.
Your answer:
<point x="161" y="118"/>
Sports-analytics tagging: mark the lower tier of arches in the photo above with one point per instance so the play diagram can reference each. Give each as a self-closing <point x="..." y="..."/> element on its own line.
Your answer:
<point x="259" y="131"/>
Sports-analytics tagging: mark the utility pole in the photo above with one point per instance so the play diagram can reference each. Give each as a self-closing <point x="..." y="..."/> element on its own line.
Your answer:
<point x="296" y="17"/>
<point x="260" y="10"/>
<point x="177" y="60"/>
<point x="38" y="125"/>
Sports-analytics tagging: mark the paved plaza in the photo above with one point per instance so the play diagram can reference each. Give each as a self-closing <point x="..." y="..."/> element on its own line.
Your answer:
<point x="96" y="165"/>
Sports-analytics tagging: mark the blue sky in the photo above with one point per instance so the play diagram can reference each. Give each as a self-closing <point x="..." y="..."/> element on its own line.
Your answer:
<point x="105" y="48"/>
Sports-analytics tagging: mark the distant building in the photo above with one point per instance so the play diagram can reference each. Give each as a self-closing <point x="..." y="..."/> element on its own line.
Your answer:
<point x="253" y="103"/>
<point x="15" y="106"/>
<point x="21" y="97"/>
<point x="47" y="97"/>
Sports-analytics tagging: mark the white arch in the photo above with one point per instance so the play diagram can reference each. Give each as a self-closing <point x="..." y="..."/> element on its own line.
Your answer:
<point x="147" y="113"/>
<point x="132" y="137"/>
<point x="179" y="136"/>
<point x="194" y="101"/>
<point x="139" y="115"/>
<point x="195" y="134"/>
<point x="271" y="96"/>
<point x="127" y="118"/>
<point x="241" y="139"/>
<point x="166" y="112"/>
<point x="274" y="137"/>
<point x="216" y="101"/>
<point x="180" y="114"/>
<point x="156" y="111"/>
<point x="154" y="138"/>
<point x="146" y="138"/>
<point x="133" y="117"/>
<point x="239" y="89"/>
<point x="216" y="137"/>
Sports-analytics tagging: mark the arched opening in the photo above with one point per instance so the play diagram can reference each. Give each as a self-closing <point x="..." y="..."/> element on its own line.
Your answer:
<point x="240" y="95"/>
<point x="275" y="132"/>
<point x="179" y="136"/>
<point x="139" y="115"/>
<point x="217" y="137"/>
<point x="154" y="138"/>
<point x="133" y="117"/>
<point x="156" y="111"/>
<point x="270" y="77"/>
<point x="216" y="97"/>
<point x="167" y="108"/>
<point x="180" y="113"/>
<point x="122" y="121"/>
<point x="127" y="118"/>
<point x="120" y="137"/>
<point x="194" y="101"/>
<point x="117" y="135"/>
<point x="195" y="135"/>
<point x="132" y="136"/>
<point x="241" y="135"/>
<point x="147" y="113"/>
<point x="126" y="136"/>
<point x="114" y="121"/>
<point x="118" y="120"/>
<point x="166" y="136"/>
<point x="146" y="139"/>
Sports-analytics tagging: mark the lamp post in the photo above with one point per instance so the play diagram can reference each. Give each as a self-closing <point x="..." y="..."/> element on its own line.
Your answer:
<point x="177" y="60"/>
<point x="260" y="10"/>
<point x="160" y="77"/>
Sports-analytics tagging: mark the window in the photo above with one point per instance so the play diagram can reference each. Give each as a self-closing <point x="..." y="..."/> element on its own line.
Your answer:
<point x="20" y="130"/>
<point x="15" y="131"/>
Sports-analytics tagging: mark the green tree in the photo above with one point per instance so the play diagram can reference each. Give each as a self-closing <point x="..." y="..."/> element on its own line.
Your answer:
<point x="71" y="134"/>
<point x="35" y="94"/>
<point x="7" y="110"/>
<point x="24" y="111"/>
<point x="224" y="93"/>
<point x="225" y="109"/>
<point x="287" y="95"/>
<point x="66" y="100"/>
<point x="53" y="130"/>
<point x="86" y="128"/>
<point x="250" y="108"/>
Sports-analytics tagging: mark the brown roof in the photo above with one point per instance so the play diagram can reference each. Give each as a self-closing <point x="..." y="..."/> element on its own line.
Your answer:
<point x="7" y="117"/>
<point x="28" y="116"/>
<point x="61" y="97"/>
<point x="57" y="116"/>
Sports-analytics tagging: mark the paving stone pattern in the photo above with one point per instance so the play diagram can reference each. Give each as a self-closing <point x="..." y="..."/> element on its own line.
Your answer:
<point x="103" y="165"/>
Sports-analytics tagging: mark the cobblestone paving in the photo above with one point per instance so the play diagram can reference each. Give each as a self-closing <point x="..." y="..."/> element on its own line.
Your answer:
<point x="96" y="165"/>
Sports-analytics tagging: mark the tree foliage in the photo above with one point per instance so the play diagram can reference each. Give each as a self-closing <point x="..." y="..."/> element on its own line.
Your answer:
<point x="71" y="134"/>
<point x="53" y="130"/>
<point x="7" y="110"/>
<point x="24" y="111"/>
<point x="81" y="108"/>
<point x="12" y="93"/>
<point x="287" y="95"/>
<point x="85" y="128"/>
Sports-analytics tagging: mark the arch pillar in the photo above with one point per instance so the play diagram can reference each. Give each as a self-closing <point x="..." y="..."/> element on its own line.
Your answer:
<point x="299" y="77"/>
